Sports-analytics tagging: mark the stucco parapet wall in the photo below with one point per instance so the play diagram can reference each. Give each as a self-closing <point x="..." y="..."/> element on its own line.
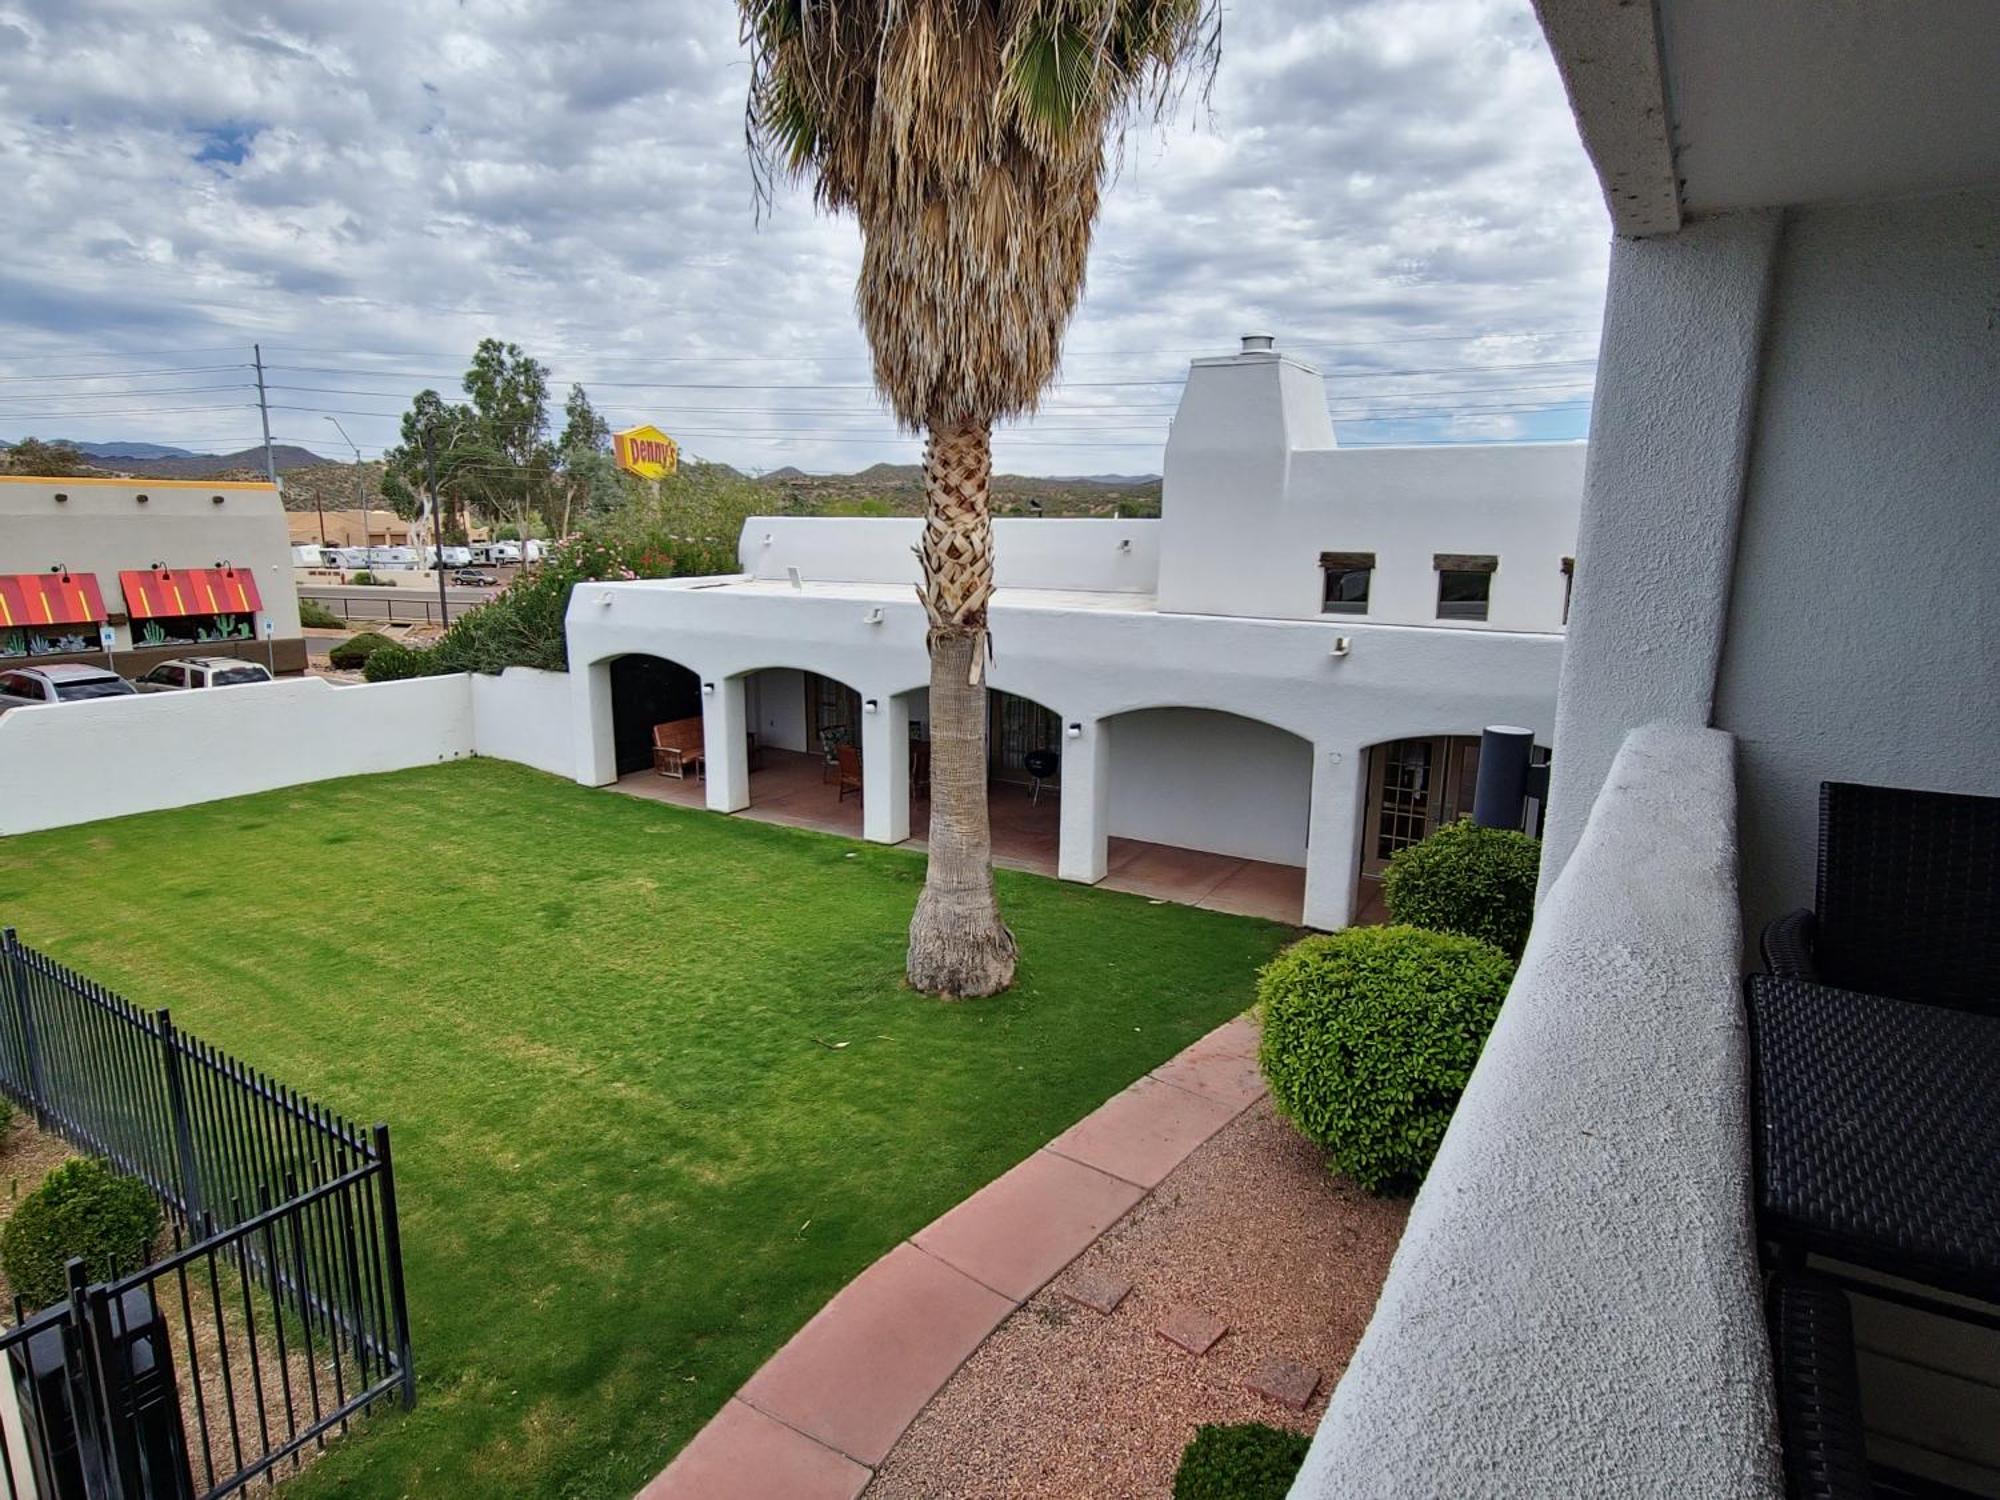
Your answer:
<point x="1574" y="1307"/>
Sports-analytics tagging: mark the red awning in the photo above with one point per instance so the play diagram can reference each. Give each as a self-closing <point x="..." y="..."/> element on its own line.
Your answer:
<point x="189" y="591"/>
<point x="29" y="600"/>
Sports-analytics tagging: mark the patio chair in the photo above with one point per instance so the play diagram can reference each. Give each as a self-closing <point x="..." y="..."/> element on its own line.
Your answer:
<point x="830" y="740"/>
<point x="848" y="761"/>
<point x="1819" y="1389"/>
<point x="677" y="748"/>
<point x="1906" y="901"/>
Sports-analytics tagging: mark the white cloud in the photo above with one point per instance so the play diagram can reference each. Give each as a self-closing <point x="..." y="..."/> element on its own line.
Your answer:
<point x="368" y="188"/>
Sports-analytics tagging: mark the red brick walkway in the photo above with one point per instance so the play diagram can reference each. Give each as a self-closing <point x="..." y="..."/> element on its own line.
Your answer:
<point x="828" y="1407"/>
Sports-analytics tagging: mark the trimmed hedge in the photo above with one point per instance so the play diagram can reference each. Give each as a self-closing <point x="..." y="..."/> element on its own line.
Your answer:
<point x="396" y="663"/>
<point x="356" y="649"/>
<point x="1369" y="1037"/>
<point x="1467" y="879"/>
<point x="85" y="1209"/>
<point x="1242" y="1461"/>
<point x="316" y="615"/>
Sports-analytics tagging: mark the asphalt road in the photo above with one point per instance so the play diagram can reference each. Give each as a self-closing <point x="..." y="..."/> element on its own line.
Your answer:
<point x="396" y="604"/>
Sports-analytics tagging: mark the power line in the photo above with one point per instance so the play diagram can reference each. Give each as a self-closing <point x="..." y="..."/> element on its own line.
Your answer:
<point x="114" y="374"/>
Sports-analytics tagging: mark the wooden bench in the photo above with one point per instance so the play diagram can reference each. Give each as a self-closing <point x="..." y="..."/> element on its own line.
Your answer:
<point x="677" y="748"/>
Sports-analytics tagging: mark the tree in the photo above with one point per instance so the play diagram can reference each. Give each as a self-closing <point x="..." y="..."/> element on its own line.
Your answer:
<point x="591" y="482"/>
<point x="450" y="431"/>
<point x="57" y="460"/>
<point x="509" y="392"/>
<point x="968" y="138"/>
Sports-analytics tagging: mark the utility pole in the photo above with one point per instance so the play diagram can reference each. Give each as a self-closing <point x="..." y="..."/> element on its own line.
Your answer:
<point x="360" y="487"/>
<point x="270" y="461"/>
<point x="437" y="524"/>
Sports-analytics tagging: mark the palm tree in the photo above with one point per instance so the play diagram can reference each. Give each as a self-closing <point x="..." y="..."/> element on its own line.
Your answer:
<point x="969" y="139"/>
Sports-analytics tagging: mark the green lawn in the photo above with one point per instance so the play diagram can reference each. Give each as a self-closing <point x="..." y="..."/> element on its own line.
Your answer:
<point x="656" y="1087"/>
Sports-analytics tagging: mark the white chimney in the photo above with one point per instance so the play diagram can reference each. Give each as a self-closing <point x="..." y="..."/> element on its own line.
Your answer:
<point x="1258" y="343"/>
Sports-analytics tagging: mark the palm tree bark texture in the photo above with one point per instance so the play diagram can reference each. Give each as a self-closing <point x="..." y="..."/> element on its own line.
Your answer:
<point x="958" y="943"/>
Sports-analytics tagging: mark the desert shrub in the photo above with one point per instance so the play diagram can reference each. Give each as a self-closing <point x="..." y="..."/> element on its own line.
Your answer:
<point x="1467" y="879"/>
<point x="82" y="1209"/>
<point x="394" y="663"/>
<point x="355" y="650"/>
<point x="318" y="616"/>
<point x="1243" y="1461"/>
<point x="366" y="577"/>
<point x="1369" y="1037"/>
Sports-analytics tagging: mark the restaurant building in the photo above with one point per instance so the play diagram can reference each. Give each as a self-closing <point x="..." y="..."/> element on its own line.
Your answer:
<point x="1288" y="670"/>
<point x="153" y="568"/>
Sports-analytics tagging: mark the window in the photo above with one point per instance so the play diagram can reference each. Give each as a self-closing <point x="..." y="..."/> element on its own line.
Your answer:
<point x="1465" y="584"/>
<point x="1569" y="584"/>
<point x="231" y="676"/>
<point x="1345" y="591"/>
<point x="93" y="687"/>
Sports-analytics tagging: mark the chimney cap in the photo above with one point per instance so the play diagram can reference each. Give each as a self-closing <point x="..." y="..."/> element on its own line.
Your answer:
<point x="1258" y="343"/>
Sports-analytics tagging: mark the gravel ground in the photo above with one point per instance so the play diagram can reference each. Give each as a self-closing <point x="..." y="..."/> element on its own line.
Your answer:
<point x="1062" y="1403"/>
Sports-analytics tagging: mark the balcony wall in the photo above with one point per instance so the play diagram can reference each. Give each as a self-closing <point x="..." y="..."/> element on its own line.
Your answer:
<point x="1574" y="1308"/>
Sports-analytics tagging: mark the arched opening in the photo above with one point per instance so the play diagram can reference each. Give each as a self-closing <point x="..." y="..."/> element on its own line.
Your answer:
<point x="1210" y="809"/>
<point x="805" y="749"/>
<point x="646" y="692"/>
<point x="1415" y="786"/>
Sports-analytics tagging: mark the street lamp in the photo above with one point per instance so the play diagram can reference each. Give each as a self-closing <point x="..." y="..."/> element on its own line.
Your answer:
<point x="360" y="488"/>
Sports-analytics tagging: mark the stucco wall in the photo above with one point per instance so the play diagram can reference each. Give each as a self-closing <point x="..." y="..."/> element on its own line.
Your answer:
<point x="102" y="528"/>
<point x="1864" y="629"/>
<point x="523" y="715"/>
<point x="1202" y="780"/>
<point x="1574" y="1307"/>
<point x="777" y="708"/>
<point x="1054" y="553"/>
<point x="76" y="762"/>
<point x="1255" y="489"/>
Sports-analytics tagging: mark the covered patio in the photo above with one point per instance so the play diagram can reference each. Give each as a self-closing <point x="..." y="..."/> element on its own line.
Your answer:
<point x="797" y="790"/>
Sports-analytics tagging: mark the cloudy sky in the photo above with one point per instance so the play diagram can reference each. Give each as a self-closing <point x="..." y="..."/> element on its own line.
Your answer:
<point x="1393" y="187"/>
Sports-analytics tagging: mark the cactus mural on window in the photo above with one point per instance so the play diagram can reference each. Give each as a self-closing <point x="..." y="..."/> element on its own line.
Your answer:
<point x="152" y="633"/>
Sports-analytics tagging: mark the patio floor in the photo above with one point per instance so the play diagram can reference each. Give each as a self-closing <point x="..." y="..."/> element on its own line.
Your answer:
<point x="790" y="788"/>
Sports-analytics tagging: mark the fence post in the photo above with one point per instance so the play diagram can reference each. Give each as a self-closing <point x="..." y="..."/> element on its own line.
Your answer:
<point x="31" y="1052"/>
<point x="392" y="1249"/>
<point x="177" y="1105"/>
<point x="88" y="1409"/>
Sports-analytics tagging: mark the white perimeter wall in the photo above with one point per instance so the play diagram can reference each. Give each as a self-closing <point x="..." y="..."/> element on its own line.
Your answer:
<point x="78" y="762"/>
<point x="1211" y="781"/>
<point x="1054" y="553"/>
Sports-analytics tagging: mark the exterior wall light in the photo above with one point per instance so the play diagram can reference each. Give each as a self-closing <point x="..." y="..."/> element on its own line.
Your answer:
<point x="1341" y="646"/>
<point x="142" y="499"/>
<point x="215" y="499"/>
<point x="708" y="690"/>
<point x="1074" y="731"/>
<point x="873" y="617"/>
<point x="62" y="497"/>
<point x="871" y="706"/>
<point x="62" y="568"/>
<point x="1125" y="544"/>
<point x="604" y="598"/>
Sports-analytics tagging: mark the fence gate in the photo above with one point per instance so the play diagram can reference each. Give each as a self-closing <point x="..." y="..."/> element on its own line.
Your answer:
<point x="277" y="1317"/>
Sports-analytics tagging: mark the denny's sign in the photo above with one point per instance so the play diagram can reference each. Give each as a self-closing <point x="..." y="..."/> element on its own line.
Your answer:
<point x="646" y="451"/>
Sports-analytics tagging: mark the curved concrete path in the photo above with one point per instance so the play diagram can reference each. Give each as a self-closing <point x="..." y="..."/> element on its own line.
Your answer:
<point x="828" y="1407"/>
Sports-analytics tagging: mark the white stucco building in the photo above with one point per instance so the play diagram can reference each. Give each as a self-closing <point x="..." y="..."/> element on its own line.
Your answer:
<point x="1784" y="577"/>
<point x="1290" y="666"/>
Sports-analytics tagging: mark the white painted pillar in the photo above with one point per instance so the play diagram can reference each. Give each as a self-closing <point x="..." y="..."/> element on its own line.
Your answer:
<point x="1333" y="847"/>
<point x="1083" y="844"/>
<point x="593" y="745"/>
<point x="885" y="769"/>
<point x="725" y="726"/>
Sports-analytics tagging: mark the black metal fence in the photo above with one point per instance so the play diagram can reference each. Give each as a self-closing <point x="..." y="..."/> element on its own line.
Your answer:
<point x="279" y="1313"/>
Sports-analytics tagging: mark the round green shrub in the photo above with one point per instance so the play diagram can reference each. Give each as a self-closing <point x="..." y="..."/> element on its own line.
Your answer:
<point x="356" y="649"/>
<point x="83" y="1208"/>
<point x="394" y="663"/>
<point x="1244" y="1461"/>
<point x="1369" y="1037"/>
<point x="1467" y="879"/>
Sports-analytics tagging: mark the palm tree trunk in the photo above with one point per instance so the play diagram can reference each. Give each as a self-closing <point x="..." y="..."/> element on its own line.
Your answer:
<point x="958" y="944"/>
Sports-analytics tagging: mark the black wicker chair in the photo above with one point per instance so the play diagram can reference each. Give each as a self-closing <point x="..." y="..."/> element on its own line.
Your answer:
<point x="1907" y="900"/>
<point x="1819" y="1390"/>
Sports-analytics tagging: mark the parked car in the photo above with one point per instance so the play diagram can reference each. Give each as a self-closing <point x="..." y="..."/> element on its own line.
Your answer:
<point x="61" y="682"/>
<point x="467" y="578"/>
<point x="200" y="672"/>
